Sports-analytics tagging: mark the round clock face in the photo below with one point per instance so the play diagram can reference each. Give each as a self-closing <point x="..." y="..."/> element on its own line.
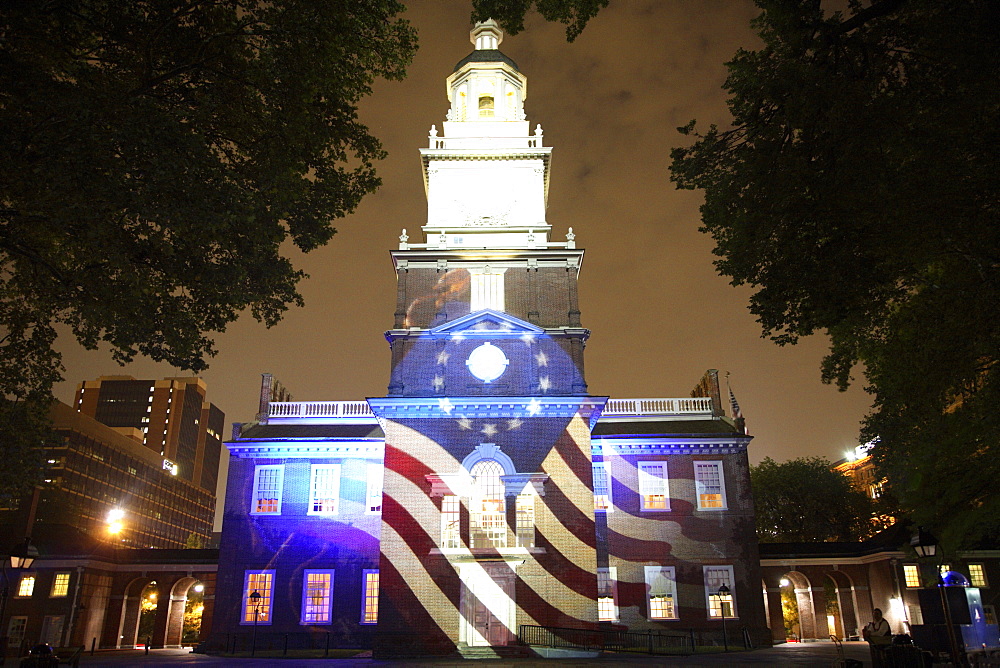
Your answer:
<point x="487" y="362"/>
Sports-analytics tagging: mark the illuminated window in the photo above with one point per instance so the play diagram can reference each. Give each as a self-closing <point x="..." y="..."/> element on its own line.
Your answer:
<point x="653" y="486"/>
<point x="317" y="596"/>
<point x="990" y="613"/>
<point x="661" y="592"/>
<point x="525" y="520"/>
<point x="710" y="487"/>
<point x="486" y="288"/>
<point x="15" y="631"/>
<point x="715" y="577"/>
<point x="451" y="519"/>
<point x="944" y="569"/>
<point x="60" y="585"/>
<point x="602" y="487"/>
<point x="374" y="491"/>
<point x="26" y="586"/>
<point x="488" y="512"/>
<point x="911" y="575"/>
<point x="607" y="594"/>
<point x="485" y="106"/>
<point x="258" y="611"/>
<point x="324" y="489"/>
<point x="267" y="481"/>
<point x="369" y="605"/>
<point x="977" y="575"/>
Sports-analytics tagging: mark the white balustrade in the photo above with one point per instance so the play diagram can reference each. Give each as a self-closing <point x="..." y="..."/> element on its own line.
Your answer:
<point x="686" y="405"/>
<point x="315" y="409"/>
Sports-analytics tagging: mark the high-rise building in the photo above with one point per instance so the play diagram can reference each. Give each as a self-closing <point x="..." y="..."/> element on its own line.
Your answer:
<point x="112" y="488"/>
<point x="170" y="417"/>
<point x="489" y="494"/>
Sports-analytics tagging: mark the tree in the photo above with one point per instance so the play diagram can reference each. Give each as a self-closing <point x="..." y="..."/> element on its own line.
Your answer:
<point x="154" y="157"/>
<point x="857" y="194"/>
<point x="510" y="15"/>
<point x="805" y="500"/>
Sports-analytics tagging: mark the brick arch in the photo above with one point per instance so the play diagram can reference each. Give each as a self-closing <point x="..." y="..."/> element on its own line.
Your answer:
<point x="847" y="602"/>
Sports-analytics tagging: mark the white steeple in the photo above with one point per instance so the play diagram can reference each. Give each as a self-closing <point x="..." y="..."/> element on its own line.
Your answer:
<point x="486" y="174"/>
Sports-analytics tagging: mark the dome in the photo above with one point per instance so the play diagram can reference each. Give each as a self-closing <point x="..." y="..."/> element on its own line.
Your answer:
<point x="486" y="56"/>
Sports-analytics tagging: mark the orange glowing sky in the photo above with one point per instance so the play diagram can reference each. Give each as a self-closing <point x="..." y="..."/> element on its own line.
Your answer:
<point x="610" y="104"/>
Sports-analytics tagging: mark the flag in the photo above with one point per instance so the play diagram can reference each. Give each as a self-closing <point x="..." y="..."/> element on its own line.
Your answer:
<point x="737" y="413"/>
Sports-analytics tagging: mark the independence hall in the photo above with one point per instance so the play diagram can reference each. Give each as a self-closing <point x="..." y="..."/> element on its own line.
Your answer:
<point x="490" y="490"/>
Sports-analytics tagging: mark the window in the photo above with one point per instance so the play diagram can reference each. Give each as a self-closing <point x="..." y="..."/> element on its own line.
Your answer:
<point x="27" y="585"/>
<point x="944" y="569"/>
<point x="451" y="519"/>
<point x="267" y="482"/>
<point x="525" y="520"/>
<point x="911" y="575"/>
<point x="977" y="575"/>
<point x="317" y="596"/>
<point x="607" y="594"/>
<point x="661" y="592"/>
<point x="15" y="631"/>
<point x="653" y="486"/>
<point x="60" y="585"/>
<point x="374" y="492"/>
<point x="369" y="604"/>
<point x="486" y="290"/>
<point x="990" y="613"/>
<point x="324" y="489"/>
<point x="710" y="487"/>
<point x="261" y="582"/>
<point x="602" y="487"/>
<point x="486" y="106"/>
<point x="487" y="515"/>
<point x="715" y="577"/>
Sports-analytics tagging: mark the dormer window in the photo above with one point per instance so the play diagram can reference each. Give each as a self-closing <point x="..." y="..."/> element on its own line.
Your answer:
<point x="485" y="106"/>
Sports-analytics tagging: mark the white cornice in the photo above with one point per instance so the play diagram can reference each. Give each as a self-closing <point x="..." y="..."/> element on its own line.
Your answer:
<point x="306" y="449"/>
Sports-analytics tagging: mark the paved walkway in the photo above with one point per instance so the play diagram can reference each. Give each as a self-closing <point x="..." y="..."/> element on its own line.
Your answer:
<point x="793" y="655"/>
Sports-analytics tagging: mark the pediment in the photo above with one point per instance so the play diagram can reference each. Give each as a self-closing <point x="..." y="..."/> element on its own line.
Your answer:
<point x="486" y="322"/>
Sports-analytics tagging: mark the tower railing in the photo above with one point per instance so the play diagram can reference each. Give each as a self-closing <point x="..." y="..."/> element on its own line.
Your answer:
<point x="324" y="409"/>
<point x="643" y="407"/>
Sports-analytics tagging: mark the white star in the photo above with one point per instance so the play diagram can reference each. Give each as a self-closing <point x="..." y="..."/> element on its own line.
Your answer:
<point x="544" y="383"/>
<point x="534" y="406"/>
<point x="464" y="423"/>
<point x="443" y="357"/>
<point x="438" y="382"/>
<point x="513" y="424"/>
<point x="445" y="404"/>
<point x="542" y="359"/>
<point x="528" y="337"/>
<point x="489" y="429"/>
<point x="458" y="336"/>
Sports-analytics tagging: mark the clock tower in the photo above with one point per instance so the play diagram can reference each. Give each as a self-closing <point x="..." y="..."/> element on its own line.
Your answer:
<point x="488" y="522"/>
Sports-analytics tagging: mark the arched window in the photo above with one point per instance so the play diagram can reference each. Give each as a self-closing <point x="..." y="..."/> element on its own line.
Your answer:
<point x="485" y="106"/>
<point x="488" y="511"/>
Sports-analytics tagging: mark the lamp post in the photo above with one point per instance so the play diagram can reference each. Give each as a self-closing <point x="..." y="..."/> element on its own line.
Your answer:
<point x="925" y="545"/>
<point x="255" y="600"/>
<point x="724" y="592"/>
<point x="20" y="557"/>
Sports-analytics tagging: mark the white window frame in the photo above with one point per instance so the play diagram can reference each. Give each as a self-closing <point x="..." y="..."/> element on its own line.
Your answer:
<point x="451" y="521"/>
<point x="712" y="590"/>
<point x="653" y="485"/>
<point x="612" y="575"/>
<point x="373" y="491"/>
<point x="315" y="471"/>
<point x="602" y="501"/>
<point x="654" y="576"/>
<point x="307" y="601"/>
<point x="18" y="623"/>
<point x="911" y="568"/>
<point x="524" y="520"/>
<point x="981" y="578"/>
<point x="700" y="488"/>
<point x="265" y="615"/>
<point x="256" y="497"/>
<point x="365" y="579"/>
<point x="55" y="581"/>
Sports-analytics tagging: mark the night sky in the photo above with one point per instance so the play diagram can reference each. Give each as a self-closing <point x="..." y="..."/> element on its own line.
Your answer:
<point x="659" y="315"/>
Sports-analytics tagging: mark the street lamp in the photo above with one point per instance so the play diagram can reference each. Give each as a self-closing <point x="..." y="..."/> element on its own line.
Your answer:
<point x="20" y="557"/>
<point x="925" y="545"/>
<point x="724" y="592"/>
<point x="255" y="600"/>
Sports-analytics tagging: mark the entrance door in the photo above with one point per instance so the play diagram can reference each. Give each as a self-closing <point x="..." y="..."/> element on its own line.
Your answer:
<point x="489" y="606"/>
<point x="52" y="628"/>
